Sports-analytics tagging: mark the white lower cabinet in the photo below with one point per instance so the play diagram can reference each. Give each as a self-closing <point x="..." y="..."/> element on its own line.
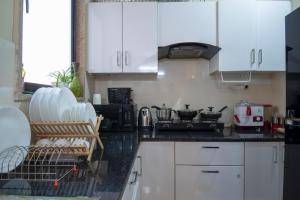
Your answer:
<point x="263" y="170"/>
<point x="133" y="187"/>
<point x="157" y="171"/>
<point x="209" y="182"/>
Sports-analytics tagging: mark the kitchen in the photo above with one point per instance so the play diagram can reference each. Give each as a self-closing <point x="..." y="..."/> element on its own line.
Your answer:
<point x="233" y="165"/>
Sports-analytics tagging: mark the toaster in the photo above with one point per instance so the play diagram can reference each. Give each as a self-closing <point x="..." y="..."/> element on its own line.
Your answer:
<point x="248" y="115"/>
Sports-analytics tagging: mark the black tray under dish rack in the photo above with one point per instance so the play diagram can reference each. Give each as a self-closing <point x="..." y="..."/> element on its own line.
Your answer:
<point x="52" y="163"/>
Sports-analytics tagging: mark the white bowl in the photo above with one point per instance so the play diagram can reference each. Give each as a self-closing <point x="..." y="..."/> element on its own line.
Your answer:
<point x="62" y="142"/>
<point x="43" y="142"/>
<point x="82" y="142"/>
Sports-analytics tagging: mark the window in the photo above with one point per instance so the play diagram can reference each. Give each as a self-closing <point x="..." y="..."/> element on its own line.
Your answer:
<point x="47" y="38"/>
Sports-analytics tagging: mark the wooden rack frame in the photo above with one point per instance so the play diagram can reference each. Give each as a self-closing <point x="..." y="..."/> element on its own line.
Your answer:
<point x="69" y="131"/>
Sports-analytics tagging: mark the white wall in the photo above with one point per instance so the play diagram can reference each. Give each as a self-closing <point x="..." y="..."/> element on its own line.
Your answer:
<point x="187" y="82"/>
<point x="7" y="54"/>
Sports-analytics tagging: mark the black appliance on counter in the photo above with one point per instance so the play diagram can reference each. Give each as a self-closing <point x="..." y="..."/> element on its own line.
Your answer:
<point x="191" y="126"/>
<point x="117" y="117"/>
<point x="119" y="95"/>
<point x="292" y="125"/>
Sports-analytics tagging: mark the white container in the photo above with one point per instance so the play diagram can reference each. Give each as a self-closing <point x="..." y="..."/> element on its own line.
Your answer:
<point x="97" y="99"/>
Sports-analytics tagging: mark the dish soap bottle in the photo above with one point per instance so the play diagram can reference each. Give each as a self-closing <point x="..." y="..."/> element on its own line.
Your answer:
<point x="75" y="85"/>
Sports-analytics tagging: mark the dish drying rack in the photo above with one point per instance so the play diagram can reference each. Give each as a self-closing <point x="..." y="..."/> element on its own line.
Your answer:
<point x="50" y="162"/>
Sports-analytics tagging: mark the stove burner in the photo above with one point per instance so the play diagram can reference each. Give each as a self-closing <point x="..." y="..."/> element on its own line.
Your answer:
<point x="190" y="126"/>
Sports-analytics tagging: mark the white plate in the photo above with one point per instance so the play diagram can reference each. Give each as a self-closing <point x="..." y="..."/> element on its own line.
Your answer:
<point x="91" y="113"/>
<point x="66" y="101"/>
<point x="43" y="104"/>
<point x="52" y="104"/>
<point x="14" y="131"/>
<point x="34" y="113"/>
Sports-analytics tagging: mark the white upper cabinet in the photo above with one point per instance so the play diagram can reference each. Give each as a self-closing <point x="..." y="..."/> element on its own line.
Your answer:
<point x="186" y="22"/>
<point x="237" y="35"/>
<point x="105" y="38"/>
<point x="271" y="35"/>
<point x="122" y="37"/>
<point x="140" y="37"/>
<point x="251" y="35"/>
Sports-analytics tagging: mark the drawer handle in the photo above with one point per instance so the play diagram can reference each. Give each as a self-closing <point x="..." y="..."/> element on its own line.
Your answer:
<point x="210" y="147"/>
<point x="135" y="177"/>
<point x="210" y="171"/>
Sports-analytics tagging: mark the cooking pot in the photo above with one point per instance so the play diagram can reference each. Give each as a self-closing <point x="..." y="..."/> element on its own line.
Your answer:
<point x="163" y="113"/>
<point x="187" y="114"/>
<point x="210" y="115"/>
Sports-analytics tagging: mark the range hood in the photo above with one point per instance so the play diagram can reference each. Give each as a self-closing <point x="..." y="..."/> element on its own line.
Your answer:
<point x="188" y="50"/>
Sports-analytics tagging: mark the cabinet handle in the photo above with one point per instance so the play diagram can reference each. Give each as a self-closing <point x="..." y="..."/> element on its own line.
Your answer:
<point x="126" y="57"/>
<point x="210" y="171"/>
<point x="210" y="147"/>
<point x="275" y="154"/>
<point x="118" y="58"/>
<point x="135" y="177"/>
<point x="260" y="57"/>
<point x="252" y="56"/>
<point x="141" y="169"/>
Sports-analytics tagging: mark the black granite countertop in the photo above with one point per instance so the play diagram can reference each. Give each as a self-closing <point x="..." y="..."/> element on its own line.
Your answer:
<point x="120" y="150"/>
<point x="228" y="135"/>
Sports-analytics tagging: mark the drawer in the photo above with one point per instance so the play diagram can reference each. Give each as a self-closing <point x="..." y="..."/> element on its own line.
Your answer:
<point x="209" y="182"/>
<point x="209" y="153"/>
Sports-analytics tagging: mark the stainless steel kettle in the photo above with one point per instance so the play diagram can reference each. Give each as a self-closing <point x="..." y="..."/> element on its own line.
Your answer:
<point x="145" y="118"/>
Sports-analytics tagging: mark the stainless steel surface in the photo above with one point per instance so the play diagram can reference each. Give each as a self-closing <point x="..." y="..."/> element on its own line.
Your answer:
<point x="145" y="118"/>
<point x="163" y="113"/>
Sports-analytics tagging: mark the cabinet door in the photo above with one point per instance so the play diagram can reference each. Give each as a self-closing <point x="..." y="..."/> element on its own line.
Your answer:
<point x="157" y="170"/>
<point x="185" y="22"/>
<point x="271" y="34"/>
<point x="262" y="171"/>
<point x="209" y="182"/>
<point x="140" y="37"/>
<point x="237" y="35"/>
<point x="105" y="37"/>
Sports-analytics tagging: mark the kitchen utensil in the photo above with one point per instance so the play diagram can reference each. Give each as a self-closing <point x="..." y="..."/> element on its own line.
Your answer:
<point x="14" y="131"/>
<point x="145" y="118"/>
<point x="187" y="114"/>
<point x="210" y="115"/>
<point x="163" y="113"/>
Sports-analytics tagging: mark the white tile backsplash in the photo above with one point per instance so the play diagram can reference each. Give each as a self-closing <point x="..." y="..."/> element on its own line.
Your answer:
<point x="182" y="82"/>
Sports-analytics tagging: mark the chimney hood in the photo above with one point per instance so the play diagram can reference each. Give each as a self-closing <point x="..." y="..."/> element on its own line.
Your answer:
<point x="188" y="50"/>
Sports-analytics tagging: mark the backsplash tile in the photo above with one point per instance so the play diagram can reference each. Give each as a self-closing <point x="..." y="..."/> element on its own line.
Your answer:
<point x="182" y="82"/>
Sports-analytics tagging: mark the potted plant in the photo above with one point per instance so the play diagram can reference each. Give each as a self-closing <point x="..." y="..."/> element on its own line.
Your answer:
<point x="62" y="78"/>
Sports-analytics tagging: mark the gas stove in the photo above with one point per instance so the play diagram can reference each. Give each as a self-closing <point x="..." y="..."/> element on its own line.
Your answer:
<point x="195" y="125"/>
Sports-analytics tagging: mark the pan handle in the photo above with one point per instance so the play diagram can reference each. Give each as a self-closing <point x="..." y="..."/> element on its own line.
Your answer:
<point x="222" y="109"/>
<point x="200" y="110"/>
<point x="174" y="111"/>
<point x="158" y="108"/>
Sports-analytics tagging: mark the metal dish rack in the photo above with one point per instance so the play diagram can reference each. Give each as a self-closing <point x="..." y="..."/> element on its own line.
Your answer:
<point x="52" y="162"/>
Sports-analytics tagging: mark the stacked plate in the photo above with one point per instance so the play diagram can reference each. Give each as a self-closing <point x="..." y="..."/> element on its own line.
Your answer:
<point x="59" y="104"/>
